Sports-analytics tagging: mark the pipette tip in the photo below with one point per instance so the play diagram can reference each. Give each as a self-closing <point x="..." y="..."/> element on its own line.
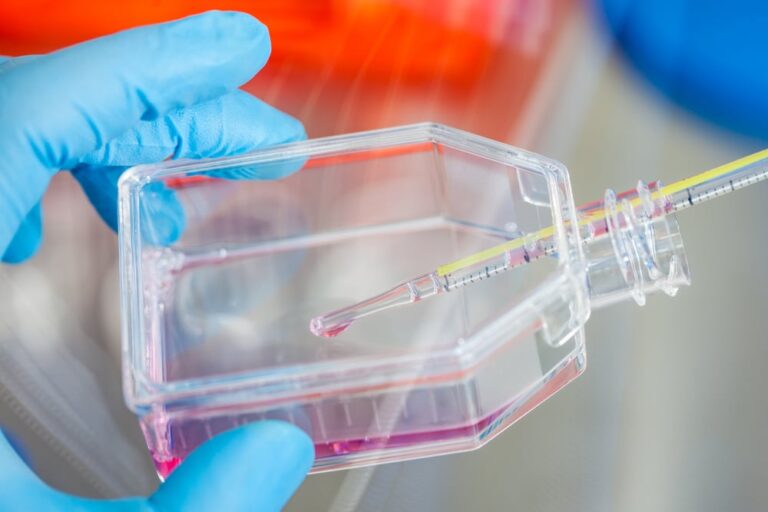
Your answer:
<point x="318" y="328"/>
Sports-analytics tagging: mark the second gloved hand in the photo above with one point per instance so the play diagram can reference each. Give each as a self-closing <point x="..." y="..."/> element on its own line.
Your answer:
<point x="252" y="468"/>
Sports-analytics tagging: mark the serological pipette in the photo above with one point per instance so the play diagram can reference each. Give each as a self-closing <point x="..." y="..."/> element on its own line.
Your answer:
<point x="626" y="220"/>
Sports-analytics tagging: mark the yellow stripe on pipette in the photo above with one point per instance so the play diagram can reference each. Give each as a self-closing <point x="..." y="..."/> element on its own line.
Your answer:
<point x="711" y="174"/>
<point x="492" y="252"/>
<point x="547" y="232"/>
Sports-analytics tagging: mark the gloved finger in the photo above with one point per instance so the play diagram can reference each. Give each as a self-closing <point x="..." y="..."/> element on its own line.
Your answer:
<point x="72" y="101"/>
<point x="100" y="186"/>
<point x="104" y="86"/>
<point x="162" y="216"/>
<point x="255" y="467"/>
<point x="27" y="239"/>
<point x="228" y="125"/>
<point x="231" y="124"/>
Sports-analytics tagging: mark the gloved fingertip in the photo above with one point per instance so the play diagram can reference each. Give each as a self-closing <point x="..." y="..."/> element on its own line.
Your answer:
<point x="294" y="130"/>
<point x="163" y="230"/>
<point x="100" y="186"/>
<point x="253" y="467"/>
<point x="19" y="252"/>
<point x="229" y="32"/>
<point x="283" y="127"/>
<point x="26" y="242"/>
<point x="162" y="216"/>
<point x="278" y="445"/>
<point x="295" y="448"/>
<point x="228" y="24"/>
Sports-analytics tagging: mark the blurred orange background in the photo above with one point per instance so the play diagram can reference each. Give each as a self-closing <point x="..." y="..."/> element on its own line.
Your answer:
<point x="347" y="65"/>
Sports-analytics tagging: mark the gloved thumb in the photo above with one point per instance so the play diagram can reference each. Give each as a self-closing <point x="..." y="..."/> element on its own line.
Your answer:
<point x="256" y="467"/>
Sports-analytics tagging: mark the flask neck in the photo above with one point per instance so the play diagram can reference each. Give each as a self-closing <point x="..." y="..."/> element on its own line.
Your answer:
<point x="633" y="246"/>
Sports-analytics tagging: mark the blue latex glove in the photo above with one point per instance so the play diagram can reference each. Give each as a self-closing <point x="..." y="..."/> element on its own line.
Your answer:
<point x="135" y="97"/>
<point x="141" y="96"/>
<point x="256" y="467"/>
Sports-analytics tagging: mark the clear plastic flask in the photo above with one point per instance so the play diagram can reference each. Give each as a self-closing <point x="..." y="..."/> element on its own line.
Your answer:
<point x="222" y="269"/>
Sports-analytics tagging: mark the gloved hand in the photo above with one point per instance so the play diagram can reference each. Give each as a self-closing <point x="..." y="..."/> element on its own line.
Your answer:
<point x="256" y="467"/>
<point x="138" y="96"/>
<point x="142" y="96"/>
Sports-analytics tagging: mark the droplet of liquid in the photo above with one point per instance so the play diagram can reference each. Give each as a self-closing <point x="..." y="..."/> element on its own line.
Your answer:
<point x="166" y="466"/>
<point x="318" y="328"/>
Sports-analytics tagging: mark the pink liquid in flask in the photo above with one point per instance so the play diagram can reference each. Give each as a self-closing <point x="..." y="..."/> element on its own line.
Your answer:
<point x="187" y="435"/>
